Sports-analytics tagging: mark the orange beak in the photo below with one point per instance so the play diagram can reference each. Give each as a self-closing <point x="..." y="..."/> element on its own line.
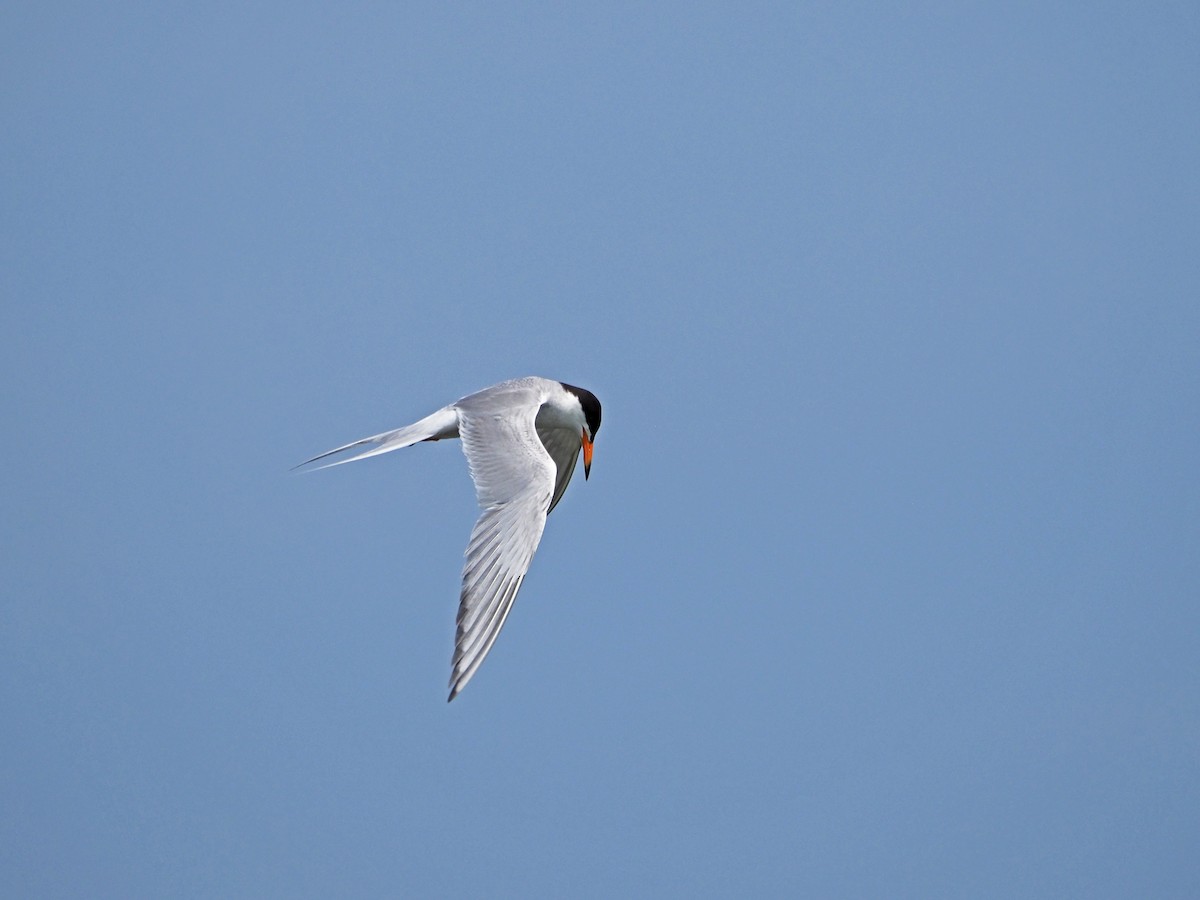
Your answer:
<point x="587" y="455"/>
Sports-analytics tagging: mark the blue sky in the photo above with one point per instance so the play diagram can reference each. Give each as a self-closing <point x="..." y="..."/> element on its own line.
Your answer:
<point x="885" y="582"/>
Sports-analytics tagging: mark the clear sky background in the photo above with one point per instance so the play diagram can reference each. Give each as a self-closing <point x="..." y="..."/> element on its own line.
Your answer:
<point x="887" y="579"/>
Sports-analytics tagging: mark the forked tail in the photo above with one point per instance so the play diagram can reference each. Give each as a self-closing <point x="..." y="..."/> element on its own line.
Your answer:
<point x="442" y="424"/>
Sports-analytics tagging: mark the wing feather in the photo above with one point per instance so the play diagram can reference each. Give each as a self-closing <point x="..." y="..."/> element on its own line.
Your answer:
<point x="563" y="447"/>
<point x="515" y="479"/>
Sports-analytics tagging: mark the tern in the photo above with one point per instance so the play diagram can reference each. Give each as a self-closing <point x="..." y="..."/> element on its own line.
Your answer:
<point x="521" y="439"/>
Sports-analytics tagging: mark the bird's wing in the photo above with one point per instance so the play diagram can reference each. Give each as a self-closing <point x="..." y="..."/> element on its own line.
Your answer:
<point x="514" y="481"/>
<point x="563" y="446"/>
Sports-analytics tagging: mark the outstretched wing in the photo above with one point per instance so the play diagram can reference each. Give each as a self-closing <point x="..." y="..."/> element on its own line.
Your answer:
<point x="514" y="481"/>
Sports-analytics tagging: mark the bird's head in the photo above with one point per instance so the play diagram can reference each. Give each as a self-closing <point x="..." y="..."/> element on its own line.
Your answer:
<point x="591" y="423"/>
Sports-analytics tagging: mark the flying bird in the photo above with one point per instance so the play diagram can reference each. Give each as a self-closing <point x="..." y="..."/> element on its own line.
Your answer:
<point x="521" y="439"/>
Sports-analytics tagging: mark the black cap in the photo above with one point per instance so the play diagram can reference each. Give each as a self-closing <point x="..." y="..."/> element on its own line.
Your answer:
<point x="591" y="406"/>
